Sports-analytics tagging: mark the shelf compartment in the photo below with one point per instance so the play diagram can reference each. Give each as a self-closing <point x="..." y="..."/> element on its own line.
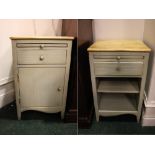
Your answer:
<point x="117" y="86"/>
<point x="117" y="104"/>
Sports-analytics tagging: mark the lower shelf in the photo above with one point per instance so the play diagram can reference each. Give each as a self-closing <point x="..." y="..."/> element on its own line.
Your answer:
<point x="117" y="104"/>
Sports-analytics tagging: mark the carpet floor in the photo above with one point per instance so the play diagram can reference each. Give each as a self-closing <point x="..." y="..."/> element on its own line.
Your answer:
<point x="118" y="125"/>
<point x="37" y="123"/>
<point x="33" y="123"/>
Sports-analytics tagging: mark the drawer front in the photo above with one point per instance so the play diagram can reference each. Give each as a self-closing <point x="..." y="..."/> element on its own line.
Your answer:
<point x="41" y="45"/>
<point x="115" y="57"/>
<point x="118" y="68"/>
<point x="53" y="56"/>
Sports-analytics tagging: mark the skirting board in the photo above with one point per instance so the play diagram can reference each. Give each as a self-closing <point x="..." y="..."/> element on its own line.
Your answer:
<point x="148" y="121"/>
<point x="148" y="115"/>
<point x="6" y="80"/>
<point x="6" y="94"/>
<point x="7" y="98"/>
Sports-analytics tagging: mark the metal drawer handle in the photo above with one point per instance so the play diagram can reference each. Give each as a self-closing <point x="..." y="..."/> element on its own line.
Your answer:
<point x="42" y="46"/>
<point x="41" y="58"/>
<point x="59" y="89"/>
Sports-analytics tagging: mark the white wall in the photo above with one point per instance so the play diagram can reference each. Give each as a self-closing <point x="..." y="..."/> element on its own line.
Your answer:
<point x="13" y="27"/>
<point x="149" y="39"/>
<point x="148" y="118"/>
<point x="118" y="29"/>
<point x="48" y="27"/>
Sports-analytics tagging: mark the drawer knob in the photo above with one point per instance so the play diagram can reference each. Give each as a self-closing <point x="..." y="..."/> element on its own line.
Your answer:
<point x="41" y="46"/>
<point x="118" y="68"/>
<point x="118" y="57"/>
<point x="59" y="89"/>
<point x="41" y="58"/>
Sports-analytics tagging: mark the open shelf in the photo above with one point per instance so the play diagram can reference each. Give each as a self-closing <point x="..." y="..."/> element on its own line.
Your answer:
<point x="117" y="104"/>
<point x="117" y="86"/>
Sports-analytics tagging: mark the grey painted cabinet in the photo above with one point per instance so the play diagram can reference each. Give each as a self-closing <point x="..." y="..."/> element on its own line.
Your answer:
<point x="118" y="74"/>
<point x="41" y="72"/>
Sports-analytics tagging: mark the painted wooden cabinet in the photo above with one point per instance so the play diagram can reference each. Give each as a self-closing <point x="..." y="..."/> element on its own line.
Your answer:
<point x="41" y="72"/>
<point x="118" y="74"/>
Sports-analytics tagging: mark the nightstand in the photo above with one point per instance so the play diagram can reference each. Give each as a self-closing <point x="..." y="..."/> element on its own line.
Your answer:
<point x="118" y="74"/>
<point x="41" y="72"/>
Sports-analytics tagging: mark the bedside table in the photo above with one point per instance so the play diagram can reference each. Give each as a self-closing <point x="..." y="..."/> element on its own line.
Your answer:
<point x="118" y="74"/>
<point x="41" y="72"/>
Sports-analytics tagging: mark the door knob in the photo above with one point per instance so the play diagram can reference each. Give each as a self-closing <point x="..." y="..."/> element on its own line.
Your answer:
<point x="59" y="89"/>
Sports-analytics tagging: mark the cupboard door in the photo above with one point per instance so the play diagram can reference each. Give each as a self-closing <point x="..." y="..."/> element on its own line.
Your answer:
<point x="41" y="87"/>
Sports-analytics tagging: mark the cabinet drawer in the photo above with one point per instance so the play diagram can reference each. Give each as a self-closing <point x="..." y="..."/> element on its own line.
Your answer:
<point x="55" y="56"/>
<point x="118" y="68"/>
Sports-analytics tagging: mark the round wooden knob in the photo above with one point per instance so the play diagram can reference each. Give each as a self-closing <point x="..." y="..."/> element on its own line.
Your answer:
<point x="41" y="46"/>
<point x="118" y="68"/>
<point x="118" y="57"/>
<point x="59" y="89"/>
<point x="41" y="58"/>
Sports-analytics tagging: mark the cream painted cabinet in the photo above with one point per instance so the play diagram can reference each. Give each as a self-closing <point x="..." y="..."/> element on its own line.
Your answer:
<point x="118" y="74"/>
<point x="41" y="72"/>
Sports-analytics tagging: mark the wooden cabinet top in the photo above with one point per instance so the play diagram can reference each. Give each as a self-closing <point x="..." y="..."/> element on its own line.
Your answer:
<point x="41" y="38"/>
<point x="119" y="45"/>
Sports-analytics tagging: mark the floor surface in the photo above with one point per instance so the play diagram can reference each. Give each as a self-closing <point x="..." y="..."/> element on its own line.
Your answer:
<point x="118" y="125"/>
<point x="37" y="123"/>
<point x="33" y="123"/>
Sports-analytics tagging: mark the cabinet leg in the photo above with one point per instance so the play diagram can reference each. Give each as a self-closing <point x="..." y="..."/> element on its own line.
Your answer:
<point x="62" y="115"/>
<point x="19" y="115"/>
<point x="97" y="118"/>
<point x="138" y="118"/>
<point x="18" y="110"/>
